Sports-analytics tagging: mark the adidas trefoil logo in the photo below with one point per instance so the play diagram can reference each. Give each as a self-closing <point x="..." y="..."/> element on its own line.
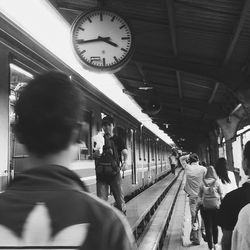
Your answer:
<point x="37" y="232"/>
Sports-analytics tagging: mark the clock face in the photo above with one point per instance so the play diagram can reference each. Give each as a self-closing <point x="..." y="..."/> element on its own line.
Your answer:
<point x="102" y="40"/>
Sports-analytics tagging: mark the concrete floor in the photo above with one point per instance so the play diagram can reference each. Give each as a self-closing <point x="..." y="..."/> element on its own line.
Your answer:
<point x="186" y="232"/>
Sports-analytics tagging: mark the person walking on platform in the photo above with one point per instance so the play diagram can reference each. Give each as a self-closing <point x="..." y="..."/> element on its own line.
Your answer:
<point x="173" y="161"/>
<point x="47" y="205"/>
<point x="233" y="202"/>
<point x="107" y="165"/>
<point x="194" y="177"/>
<point x="210" y="196"/>
<point x="226" y="178"/>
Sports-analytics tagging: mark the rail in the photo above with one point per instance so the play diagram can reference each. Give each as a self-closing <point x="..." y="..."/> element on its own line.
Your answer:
<point x="143" y="206"/>
<point x="155" y="232"/>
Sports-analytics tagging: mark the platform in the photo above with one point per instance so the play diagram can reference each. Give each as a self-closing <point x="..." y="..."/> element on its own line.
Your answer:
<point x="180" y="227"/>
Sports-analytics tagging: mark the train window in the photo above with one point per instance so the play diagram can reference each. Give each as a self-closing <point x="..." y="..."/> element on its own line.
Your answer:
<point x="18" y="80"/>
<point x="144" y="144"/>
<point x="161" y="155"/>
<point x="152" y="150"/>
<point x="139" y="143"/>
<point x="133" y="160"/>
<point x="121" y="132"/>
<point x="148" y="152"/>
<point x="85" y="135"/>
<point x="156" y="150"/>
<point x="159" y="152"/>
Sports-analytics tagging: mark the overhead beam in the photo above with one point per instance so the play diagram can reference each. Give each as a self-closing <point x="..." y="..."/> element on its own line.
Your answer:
<point x="230" y="77"/>
<point x="82" y="6"/>
<point x="171" y="19"/>
<point x="217" y="84"/>
<point x="213" y="108"/>
<point x="178" y="77"/>
<point x="238" y="29"/>
<point x="145" y="94"/>
<point x="172" y="25"/>
<point x="128" y="78"/>
<point x="188" y="131"/>
<point x="101" y="3"/>
<point x="139" y="68"/>
<point x="232" y="44"/>
<point x="150" y="84"/>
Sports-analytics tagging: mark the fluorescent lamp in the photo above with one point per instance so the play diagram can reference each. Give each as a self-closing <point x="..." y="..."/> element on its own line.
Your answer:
<point x="20" y="70"/>
<point x="44" y="23"/>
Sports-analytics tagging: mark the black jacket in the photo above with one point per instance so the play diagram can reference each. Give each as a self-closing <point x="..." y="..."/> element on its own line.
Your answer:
<point x="49" y="206"/>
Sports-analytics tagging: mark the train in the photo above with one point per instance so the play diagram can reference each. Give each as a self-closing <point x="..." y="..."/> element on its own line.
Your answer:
<point x="21" y="59"/>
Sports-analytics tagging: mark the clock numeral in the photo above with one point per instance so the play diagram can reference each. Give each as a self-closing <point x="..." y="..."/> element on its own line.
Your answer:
<point x="124" y="50"/>
<point x="82" y="52"/>
<point x="122" y="26"/>
<point x="80" y="28"/>
<point x="95" y="58"/>
<point x="103" y="61"/>
<point x="113" y="18"/>
<point x="101" y="17"/>
<point x="125" y="38"/>
<point x="116" y="59"/>
<point x="89" y="19"/>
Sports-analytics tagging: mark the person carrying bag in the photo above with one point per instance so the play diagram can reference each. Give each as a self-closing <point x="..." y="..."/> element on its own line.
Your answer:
<point x="107" y="166"/>
<point x="210" y="195"/>
<point x="110" y="157"/>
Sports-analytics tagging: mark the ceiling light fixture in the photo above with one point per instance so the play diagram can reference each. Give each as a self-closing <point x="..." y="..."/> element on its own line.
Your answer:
<point x="145" y="88"/>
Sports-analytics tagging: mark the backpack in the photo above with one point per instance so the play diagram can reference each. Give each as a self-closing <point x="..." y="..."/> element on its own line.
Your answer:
<point x="211" y="197"/>
<point x="107" y="166"/>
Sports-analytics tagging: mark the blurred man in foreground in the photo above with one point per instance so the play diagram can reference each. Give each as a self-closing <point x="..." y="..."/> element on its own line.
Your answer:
<point x="47" y="205"/>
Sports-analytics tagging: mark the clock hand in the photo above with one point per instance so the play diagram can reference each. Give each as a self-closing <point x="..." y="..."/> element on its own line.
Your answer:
<point x="102" y="39"/>
<point x="107" y="40"/>
<point x="81" y="41"/>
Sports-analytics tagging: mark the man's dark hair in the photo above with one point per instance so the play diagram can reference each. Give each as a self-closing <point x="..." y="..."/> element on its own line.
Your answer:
<point x="193" y="158"/>
<point x="174" y="153"/>
<point x="107" y="120"/>
<point x="203" y="163"/>
<point x="47" y="111"/>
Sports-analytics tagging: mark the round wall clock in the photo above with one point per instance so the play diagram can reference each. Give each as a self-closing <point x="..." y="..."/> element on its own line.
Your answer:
<point x="102" y="40"/>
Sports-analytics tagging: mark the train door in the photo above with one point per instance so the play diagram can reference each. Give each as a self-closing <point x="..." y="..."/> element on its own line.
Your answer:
<point x="18" y="155"/>
<point x="133" y="155"/>
<point x="85" y="146"/>
<point x="121" y="132"/>
<point x="160" y="155"/>
<point x="148" y="157"/>
<point x="4" y="116"/>
<point x="155" y="158"/>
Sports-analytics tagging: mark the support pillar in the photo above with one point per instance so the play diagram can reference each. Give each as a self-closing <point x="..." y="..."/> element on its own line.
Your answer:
<point x="203" y="152"/>
<point x="229" y="126"/>
<point x="213" y="148"/>
<point x="229" y="151"/>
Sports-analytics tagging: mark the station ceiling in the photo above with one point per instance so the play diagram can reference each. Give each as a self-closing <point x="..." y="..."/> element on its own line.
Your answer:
<point x="190" y="58"/>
